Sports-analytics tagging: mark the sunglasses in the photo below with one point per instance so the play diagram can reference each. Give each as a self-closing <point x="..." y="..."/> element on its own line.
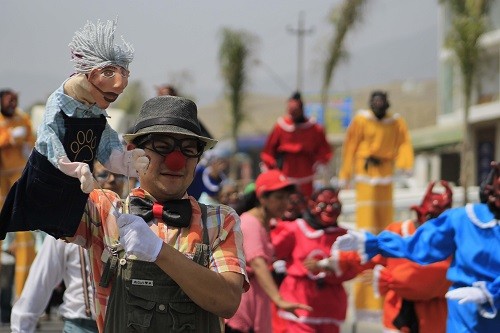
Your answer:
<point x="165" y="144"/>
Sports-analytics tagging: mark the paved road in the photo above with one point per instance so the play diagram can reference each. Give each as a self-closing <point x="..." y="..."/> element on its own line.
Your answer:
<point x="55" y="326"/>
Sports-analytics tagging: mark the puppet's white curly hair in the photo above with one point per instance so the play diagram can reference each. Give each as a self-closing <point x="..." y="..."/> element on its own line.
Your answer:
<point x="93" y="47"/>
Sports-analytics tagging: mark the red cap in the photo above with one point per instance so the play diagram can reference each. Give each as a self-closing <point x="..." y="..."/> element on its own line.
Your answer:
<point x="272" y="180"/>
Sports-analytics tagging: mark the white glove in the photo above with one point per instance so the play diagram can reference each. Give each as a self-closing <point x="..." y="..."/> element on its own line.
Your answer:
<point x="128" y="163"/>
<point x="138" y="239"/>
<point x="467" y="294"/>
<point x="78" y="170"/>
<point x="352" y="241"/>
<point x="19" y="132"/>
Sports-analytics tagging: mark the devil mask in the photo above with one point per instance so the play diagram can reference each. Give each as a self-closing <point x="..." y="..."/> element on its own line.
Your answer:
<point x="434" y="203"/>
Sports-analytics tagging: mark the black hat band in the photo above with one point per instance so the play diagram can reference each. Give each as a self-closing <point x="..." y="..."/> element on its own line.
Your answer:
<point x="168" y="121"/>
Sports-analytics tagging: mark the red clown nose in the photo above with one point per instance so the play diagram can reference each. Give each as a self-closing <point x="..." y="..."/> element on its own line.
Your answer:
<point x="175" y="160"/>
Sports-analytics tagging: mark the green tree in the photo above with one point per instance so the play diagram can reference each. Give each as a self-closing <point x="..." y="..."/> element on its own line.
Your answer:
<point x="343" y="18"/>
<point x="235" y="53"/>
<point x="468" y="22"/>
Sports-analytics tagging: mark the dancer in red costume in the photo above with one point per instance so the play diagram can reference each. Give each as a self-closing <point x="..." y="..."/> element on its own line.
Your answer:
<point x="297" y="146"/>
<point x="302" y="243"/>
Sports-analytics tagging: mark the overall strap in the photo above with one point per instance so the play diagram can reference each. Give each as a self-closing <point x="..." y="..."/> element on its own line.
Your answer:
<point x="204" y="222"/>
<point x="202" y="252"/>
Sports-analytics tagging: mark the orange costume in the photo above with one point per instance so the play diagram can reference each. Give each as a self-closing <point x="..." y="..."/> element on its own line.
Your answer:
<point x="401" y="281"/>
<point x="414" y="295"/>
<point x="12" y="159"/>
<point x="16" y="138"/>
<point x="373" y="148"/>
<point x="423" y="285"/>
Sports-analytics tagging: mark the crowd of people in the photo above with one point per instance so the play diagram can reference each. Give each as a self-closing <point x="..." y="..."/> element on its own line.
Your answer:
<point x="181" y="247"/>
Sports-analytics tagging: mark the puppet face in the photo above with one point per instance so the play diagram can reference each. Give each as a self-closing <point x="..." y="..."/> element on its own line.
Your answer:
<point x="326" y="208"/>
<point x="8" y="104"/>
<point x="107" y="84"/>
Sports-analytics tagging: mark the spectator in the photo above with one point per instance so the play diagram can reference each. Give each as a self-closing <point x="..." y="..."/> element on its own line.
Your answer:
<point x="272" y="189"/>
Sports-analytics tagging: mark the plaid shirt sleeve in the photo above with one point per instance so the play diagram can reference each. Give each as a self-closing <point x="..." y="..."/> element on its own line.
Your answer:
<point x="227" y="241"/>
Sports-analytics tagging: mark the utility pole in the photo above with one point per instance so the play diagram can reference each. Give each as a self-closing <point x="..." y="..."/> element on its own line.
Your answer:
<point x="300" y="31"/>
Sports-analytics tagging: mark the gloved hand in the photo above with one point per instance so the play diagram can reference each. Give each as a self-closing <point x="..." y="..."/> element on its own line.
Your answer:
<point x="78" y="170"/>
<point x="19" y="132"/>
<point x="467" y="294"/>
<point x="137" y="238"/>
<point x="128" y="163"/>
<point x="352" y="241"/>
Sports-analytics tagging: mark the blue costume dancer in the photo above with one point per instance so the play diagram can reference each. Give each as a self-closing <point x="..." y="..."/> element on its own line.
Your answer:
<point x="472" y="235"/>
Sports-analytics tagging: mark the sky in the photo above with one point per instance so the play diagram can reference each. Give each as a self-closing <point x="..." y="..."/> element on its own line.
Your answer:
<point x="178" y="41"/>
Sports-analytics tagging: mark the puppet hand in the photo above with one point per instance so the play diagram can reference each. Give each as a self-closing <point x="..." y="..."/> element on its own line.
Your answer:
<point x="78" y="170"/>
<point x="467" y="294"/>
<point x="137" y="238"/>
<point x="140" y="160"/>
<point x="85" y="177"/>
<point x="352" y="241"/>
<point x="19" y="132"/>
<point x="128" y="162"/>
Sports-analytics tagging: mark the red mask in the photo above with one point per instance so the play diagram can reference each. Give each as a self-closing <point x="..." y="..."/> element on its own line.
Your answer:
<point x="434" y="203"/>
<point x="326" y="207"/>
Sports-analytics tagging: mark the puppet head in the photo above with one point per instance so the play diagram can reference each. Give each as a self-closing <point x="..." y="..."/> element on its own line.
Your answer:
<point x="104" y="63"/>
<point x="434" y="203"/>
<point x="325" y="206"/>
<point x="490" y="189"/>
<point x="8" y="102"/>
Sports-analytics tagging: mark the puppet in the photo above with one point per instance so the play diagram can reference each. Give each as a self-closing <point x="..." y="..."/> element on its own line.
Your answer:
<point x="53" y="189"/>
